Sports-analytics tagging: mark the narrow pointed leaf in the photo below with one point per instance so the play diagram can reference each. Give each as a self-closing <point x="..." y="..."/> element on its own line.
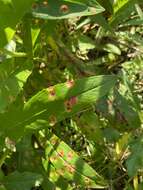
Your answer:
<point x="12" y="78"/>
<point x="122" y="11"/>
<point x="64" y="10"/>
<point x="11" y="11"/>
<point x="55" y="104"/>
<point x="68" y="164"/>
<point x="57" y="180"/>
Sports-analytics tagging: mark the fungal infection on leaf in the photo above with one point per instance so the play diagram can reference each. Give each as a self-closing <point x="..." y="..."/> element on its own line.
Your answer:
<point x="70" y="155"/>
<point x="70" y="168"/>
<point x="70" y="83"/>
<point x="70" y="103"/>
<point x="52" y="120"/>
<point x="54" y="141"/>
<point x="61" y="153"/>
<point x="51" y="93"/>
<point x="64" y="8"/>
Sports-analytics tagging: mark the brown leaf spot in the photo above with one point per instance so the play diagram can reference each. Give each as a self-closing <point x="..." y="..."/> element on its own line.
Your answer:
<point x="70" y="103"/>
<point x="68" y="106"/>
<point x="51" y="92"/>
<point x="64" y="8"/>
<point x="52" y="120"/>
<point x="70" y="83"/>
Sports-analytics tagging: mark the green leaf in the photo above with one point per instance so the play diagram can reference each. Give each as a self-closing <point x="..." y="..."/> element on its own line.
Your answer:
<point x="22" y="181"/>
<point x="90" y="126"/>
<point x="101" y="20"/>
<point x="47" y="184"/>
<point x="27" y="36"/>
<point x="69" y="165"/>
<point x="27" y="157"/>
<point x="57" y="180"/>
<point x="135" y="159"/>
<point x="112" y="49"/>
<point x="107" y="5"/>
<point x="122" y="10"/>
<point x="127" y="102"/>
<point x="130" y="113"/>
<point x="63" y="10"/>
<point x="55" y="104"/>
<point x="12" y="78"/>
<point x="85" y="43"/>
<point x="11" y="11"/>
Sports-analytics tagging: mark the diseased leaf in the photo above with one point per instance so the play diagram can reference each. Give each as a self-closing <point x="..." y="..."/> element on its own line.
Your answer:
<point x="69" y="165"/>
<point x="57" y="180"/>
<point x="55" y="104"/>
<point x="63" y="10"/>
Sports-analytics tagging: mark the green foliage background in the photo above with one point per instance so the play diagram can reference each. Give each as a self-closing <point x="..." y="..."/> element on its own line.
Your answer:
<point x="71" y="94"/>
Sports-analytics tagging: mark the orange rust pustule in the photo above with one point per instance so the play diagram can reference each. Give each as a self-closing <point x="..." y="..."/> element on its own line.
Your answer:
<point x="69" y="168"/>
<point x="61" y="153"/>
